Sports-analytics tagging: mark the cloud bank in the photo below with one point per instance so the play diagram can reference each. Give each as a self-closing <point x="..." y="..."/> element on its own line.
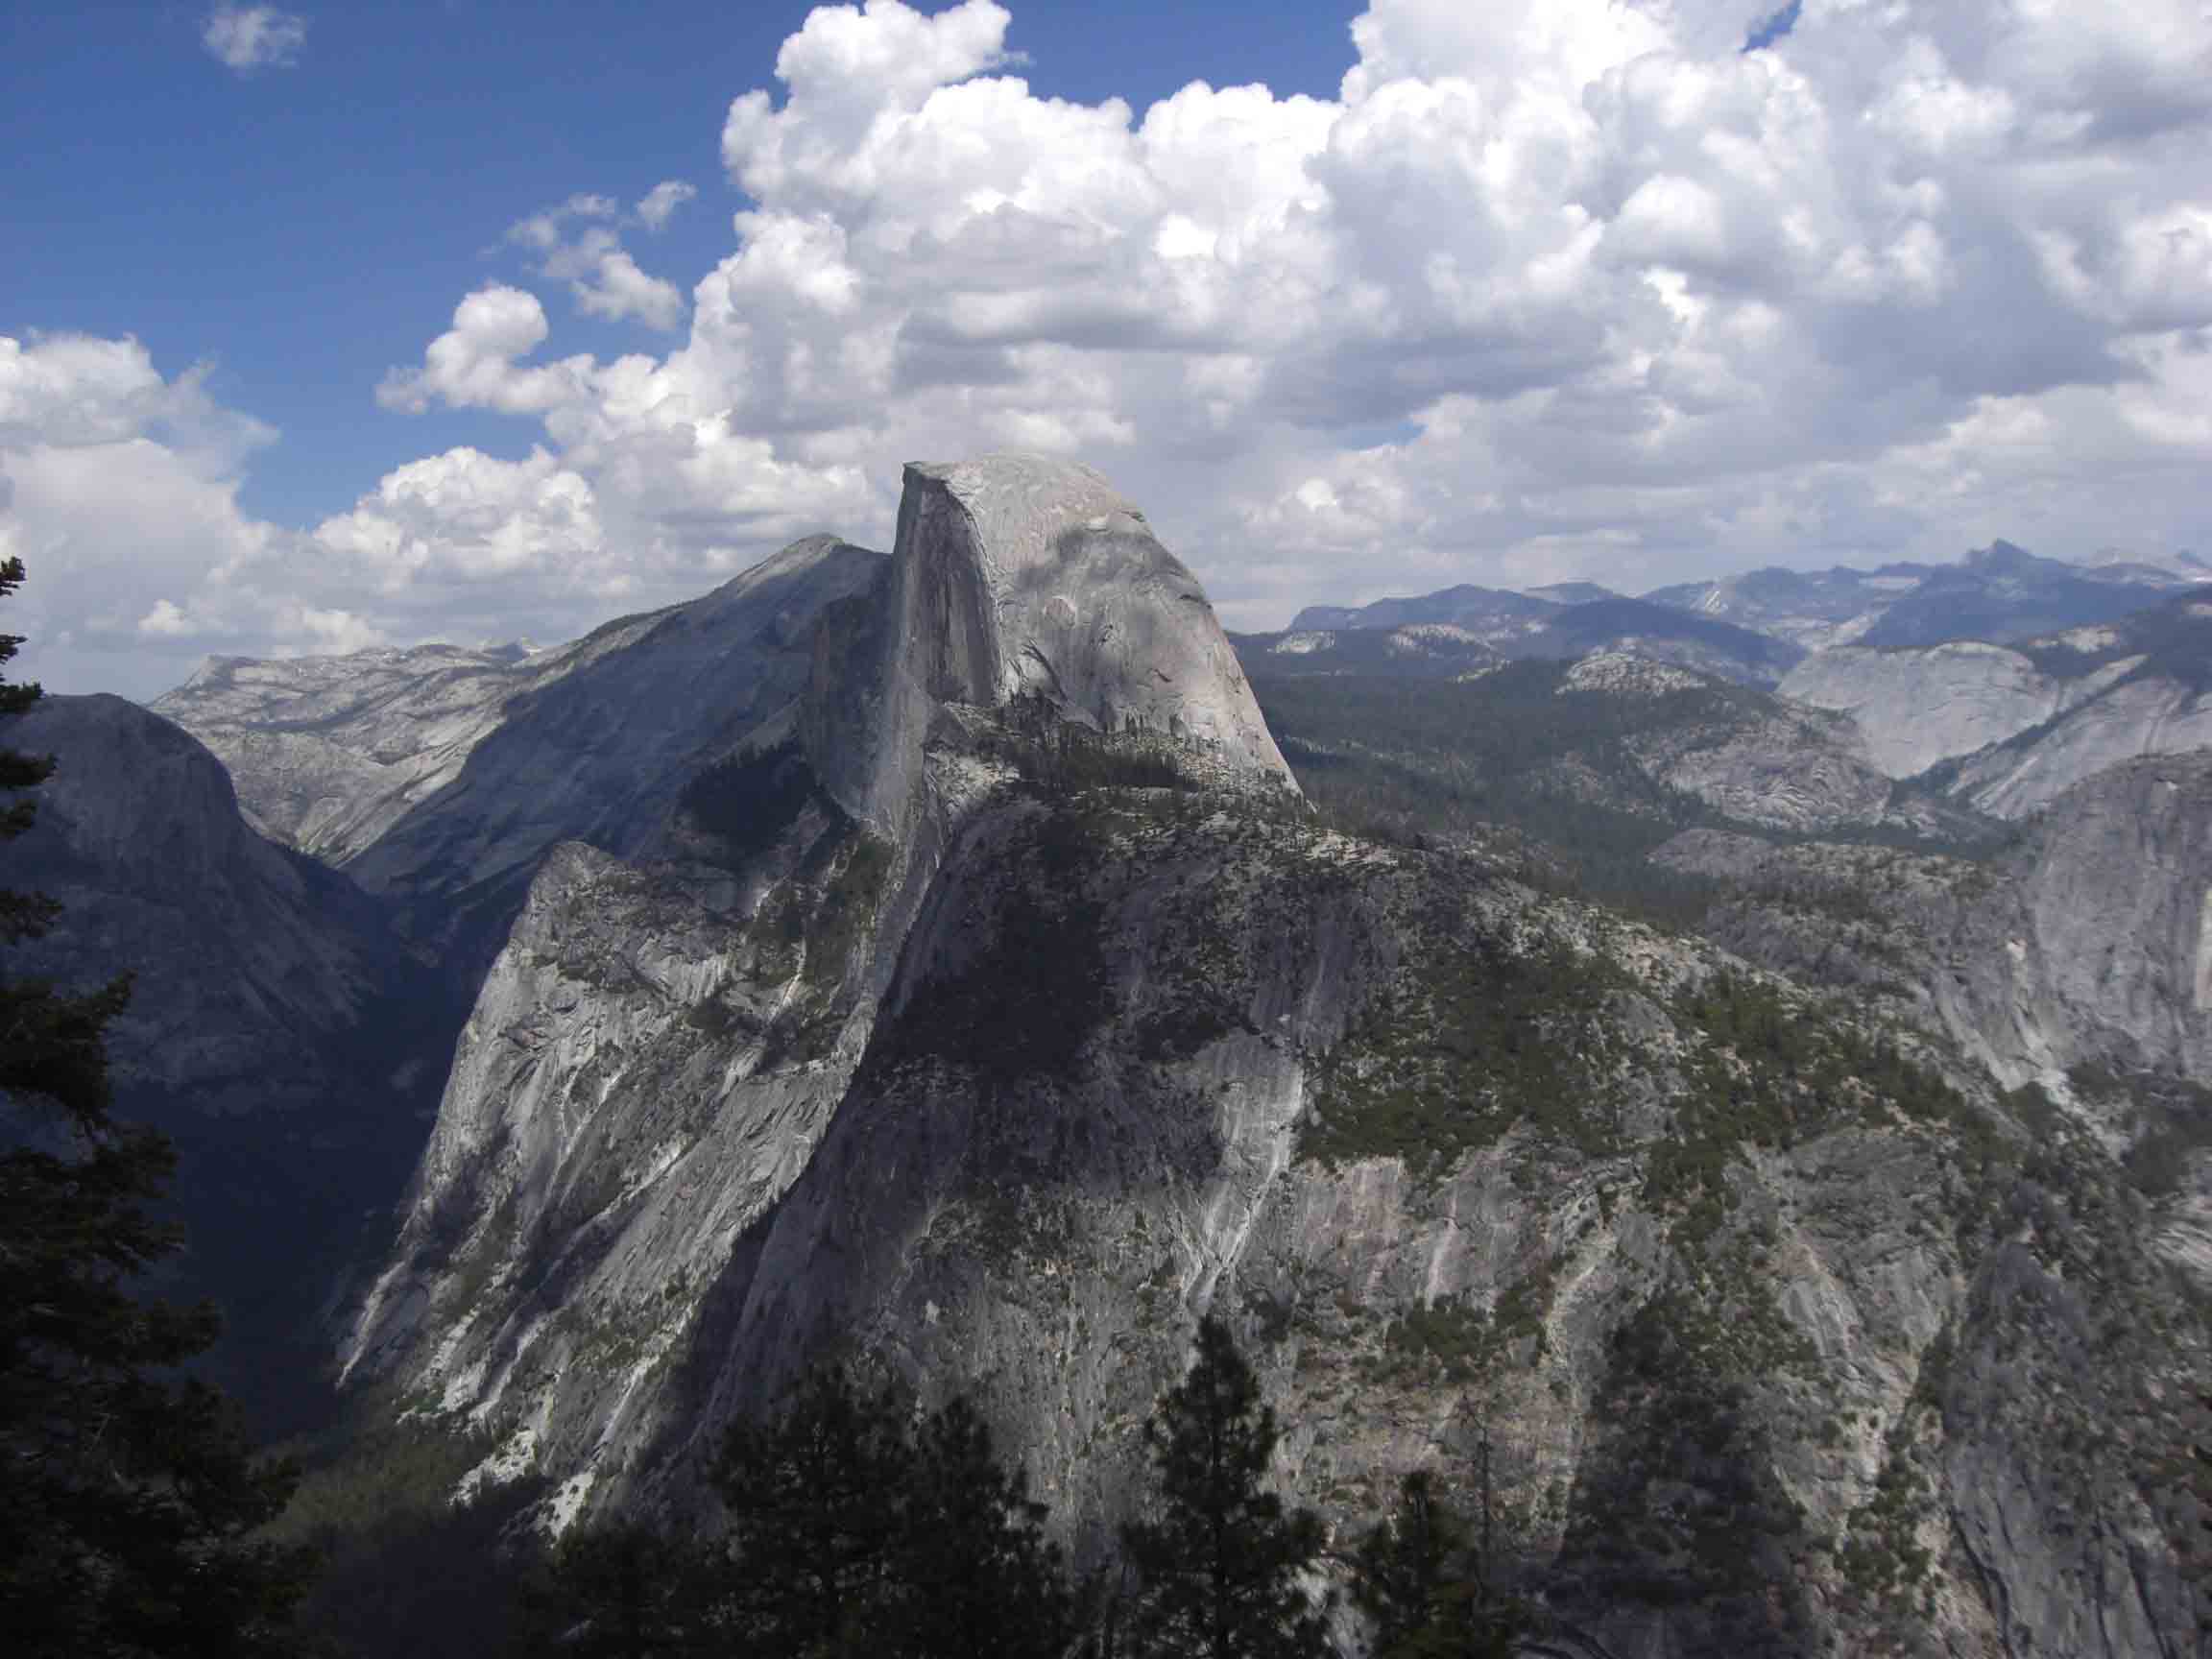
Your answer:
<point x="1550" y="288"/>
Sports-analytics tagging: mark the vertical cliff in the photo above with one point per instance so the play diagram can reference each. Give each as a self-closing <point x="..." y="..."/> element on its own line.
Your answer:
<point x="1018" y="579"/>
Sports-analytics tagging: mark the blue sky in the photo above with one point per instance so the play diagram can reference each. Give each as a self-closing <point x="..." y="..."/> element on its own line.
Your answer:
<point x="303" y="228"/>
<point x="1409" y="293"/>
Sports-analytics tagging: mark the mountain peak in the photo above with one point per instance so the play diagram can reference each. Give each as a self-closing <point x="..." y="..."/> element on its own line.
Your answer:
<point x="2001" y="555"/>
<point x="1026" y="577"/>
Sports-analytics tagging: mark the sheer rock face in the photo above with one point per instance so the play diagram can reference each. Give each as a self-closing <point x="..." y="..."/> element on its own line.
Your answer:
<point x="600" y="754"/>
<point x="1918" y="706"/>
<point x="2097" y="944"/>
<point x="2021" y="725"/>
<point x="1020" y="577"/>
<point x="328" y="753"/>
<point x="2090" y="941"/>
<point x="364" y="760"/>
<point x="2136" y="715"/>
<point x="243" y="953"/>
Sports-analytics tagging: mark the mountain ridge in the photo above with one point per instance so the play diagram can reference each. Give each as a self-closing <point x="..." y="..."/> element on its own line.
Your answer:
<point x="934" y="959"/>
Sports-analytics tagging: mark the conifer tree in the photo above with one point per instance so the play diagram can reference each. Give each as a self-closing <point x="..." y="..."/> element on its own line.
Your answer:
<point x="853" y="1530"/>
<point x="623" y="1591"/>
<point x="130" y="1493"/>
<point x="977" y="1577"/>
<point x="1219" y="1563"/>
<point x="815" y="1498"/>
<point x="1426" y="1578"/>
<point x="1406" y="1562"/>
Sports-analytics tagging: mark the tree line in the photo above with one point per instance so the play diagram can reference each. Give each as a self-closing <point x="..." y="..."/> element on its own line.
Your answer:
<point x="857" y="1524"/>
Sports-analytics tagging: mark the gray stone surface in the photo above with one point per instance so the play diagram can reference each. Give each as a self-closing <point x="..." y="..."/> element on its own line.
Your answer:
<point x="1003" y="1088"/>
<point x="601" y="753"/>
<point x="1025" y="578"/>
<point x="328" y="753"/>
<point x="245" y="955"/>
<point x="2021" y="725"/>
<point x="2144" y="715"/>
<point x="1921" y="704"/>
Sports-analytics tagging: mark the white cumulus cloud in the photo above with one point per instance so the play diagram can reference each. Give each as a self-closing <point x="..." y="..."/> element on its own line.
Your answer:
<point x="1548" y="288"/>
<point x="248" y="37"/>
<point x="659" y="204"/>
<point x="602" y="276"/>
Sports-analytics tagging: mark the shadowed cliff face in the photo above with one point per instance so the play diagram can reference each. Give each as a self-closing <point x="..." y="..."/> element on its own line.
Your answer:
<point x="600" y="754"/>
<point x="275" y="1031"/>
<point x="1014" y="1030"/>
<point x="245" y="953"/>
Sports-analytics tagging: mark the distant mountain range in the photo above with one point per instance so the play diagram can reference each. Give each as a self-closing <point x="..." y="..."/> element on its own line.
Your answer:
<point x="2001" y="593"/>
<point x="2004" y="679"/>
<point x="1463" y="630"/>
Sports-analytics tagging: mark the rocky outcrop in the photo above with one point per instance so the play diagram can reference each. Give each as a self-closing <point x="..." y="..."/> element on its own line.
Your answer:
<point x="2094" y="940"/>
<point x="1919" y="707"/>
<point x="2084" y="952"/>
<point x="1018" y="579"/>
<point x="1752" y="758"/>
<point x="1020" y="1015"/>
<point x="2139" y="714"/>
<point x="327" y="753"/>
<point x="2020" y="725"/>
<point x="602" y="752"/>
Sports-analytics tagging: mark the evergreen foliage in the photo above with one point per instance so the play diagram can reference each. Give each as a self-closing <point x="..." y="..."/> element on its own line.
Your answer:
<point x="853" y="1530"/>
<point x="1405" y="1562"/>
<point x="1426" y="1581"/>
<point x="752" y="798"/>
<point x="132" y="1494"/>
<point x="616" y="1591"/>
<point x="978" y="1576"/>
<point x="1220" y="1563"/>
<point x="405" y="1568"/>
<point x="1462" y="757"/>
<point x="812" y="1525"/>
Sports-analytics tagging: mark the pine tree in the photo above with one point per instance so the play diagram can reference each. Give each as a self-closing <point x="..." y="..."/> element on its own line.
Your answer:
<point x="815" y="1498"/>
<point x="625" y="1591"/>
<point x="130" y="1493"/>
<point x="1406" y="1562"/>
<point x="975" y="1576"/>
<point x="854" y="1530"/>
<point x="1425" y="1577"/>
<point x="1220" y="1566"/>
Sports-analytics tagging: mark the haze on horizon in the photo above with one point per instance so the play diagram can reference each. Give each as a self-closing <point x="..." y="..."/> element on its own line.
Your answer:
<point x="482" y="322"/>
